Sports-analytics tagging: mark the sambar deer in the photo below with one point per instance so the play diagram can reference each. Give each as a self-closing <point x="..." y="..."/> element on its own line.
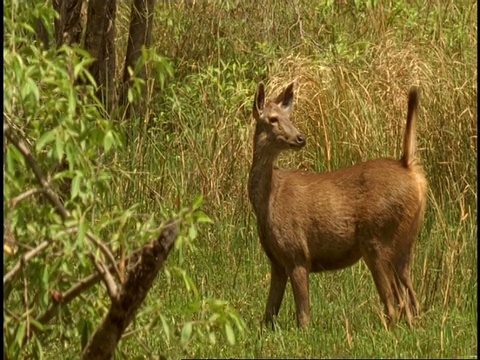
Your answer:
<point x="312" y="222"/>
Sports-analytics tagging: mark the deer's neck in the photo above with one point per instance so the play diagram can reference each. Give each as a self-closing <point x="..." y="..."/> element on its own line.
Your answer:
<point x="260" y="180"/>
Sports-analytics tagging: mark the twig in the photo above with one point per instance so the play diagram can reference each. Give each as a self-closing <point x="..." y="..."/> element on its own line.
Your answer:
<point x="106" y="251"/>
<point x="25" y="301"/>
<point x="84" y="285"/>
<point x="162" y="246"/>
<point x="8" y="236"/>
<point x="68" y="296"/>
<point x="14" y="202"/>
<point x="20" y="144"/>
<point x="12" y="314"/>
<point x="32" y="253"/>
<point x="139" y="281"/>
<point x="299" y="20"/>
<point x="107" y="278"/>
<point x="24" y="259"/>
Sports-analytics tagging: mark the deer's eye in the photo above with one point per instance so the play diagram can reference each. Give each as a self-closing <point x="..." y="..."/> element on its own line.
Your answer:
<point x="273" y="120"/>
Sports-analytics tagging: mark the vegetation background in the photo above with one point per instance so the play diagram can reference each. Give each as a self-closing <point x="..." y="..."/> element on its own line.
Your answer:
<point x="354" y="62"/>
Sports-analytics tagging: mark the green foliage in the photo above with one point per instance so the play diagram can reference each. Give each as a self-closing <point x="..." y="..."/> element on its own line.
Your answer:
<point x="162" y="69"/>
<point x="50" y="104"/>
<point x="353" y="62"/>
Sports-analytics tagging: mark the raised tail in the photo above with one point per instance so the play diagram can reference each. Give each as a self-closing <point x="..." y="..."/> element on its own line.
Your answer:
<point x="409" y="139"/>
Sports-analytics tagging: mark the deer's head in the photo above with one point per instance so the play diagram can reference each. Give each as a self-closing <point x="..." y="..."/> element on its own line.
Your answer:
<point x="274" y="130"/>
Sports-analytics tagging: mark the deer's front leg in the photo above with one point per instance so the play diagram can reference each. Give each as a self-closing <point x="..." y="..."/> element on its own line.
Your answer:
<point x="278" y="282"/>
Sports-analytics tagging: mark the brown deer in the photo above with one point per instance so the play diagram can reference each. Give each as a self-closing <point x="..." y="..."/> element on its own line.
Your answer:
<point x="313" y="222"/>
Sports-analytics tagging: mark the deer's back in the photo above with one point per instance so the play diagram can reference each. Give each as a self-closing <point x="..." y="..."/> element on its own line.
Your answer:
<point x="323" y="218"/>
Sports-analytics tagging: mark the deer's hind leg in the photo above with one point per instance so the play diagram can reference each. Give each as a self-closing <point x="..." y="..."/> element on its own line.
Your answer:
<point x="377" y="256"/>
<point x="402" y="270"/>
<point x="402" y="265"/>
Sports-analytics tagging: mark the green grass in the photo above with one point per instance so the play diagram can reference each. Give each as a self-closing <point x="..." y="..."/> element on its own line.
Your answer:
<point x="353" y="65"/>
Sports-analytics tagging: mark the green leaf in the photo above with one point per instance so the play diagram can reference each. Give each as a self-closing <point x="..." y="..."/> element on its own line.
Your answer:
<point x="202" y="217"/>
<point x="237" y="320"/>
<point x="38" y="354"/>
<point x="33" y="89"/>
<point x="10" y="160"/>
<point x="192" y="232"/>
<point x="70" y="155"/>
<point x="76" y="185"/>
<point x="45" y="139"/>
<point x="198" y="202"/>
<point x="72" y="103"/>
<point x="166" y="328"/>
<point x="108" y="141"/>
<point x="186" y="332"/>
<point x="81" y="231"/>
<point x="212" y="338"/>
<point x="38" y="325"/>
<point x="230" y="334"/>
<point x="214" y="317"/>
<point x="85" y="332"/>
<point x="59" y="147"/>
<point x="20" y="333"/>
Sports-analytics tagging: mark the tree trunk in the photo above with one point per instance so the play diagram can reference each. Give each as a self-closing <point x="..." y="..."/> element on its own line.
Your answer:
<point x="68" y="27"/>
<point x="59" y="23"/>
<point x="99" y="42"/>
<point x="42" y="34"/>
<point x="123" y="309"/>
<point x="140" y="34"/>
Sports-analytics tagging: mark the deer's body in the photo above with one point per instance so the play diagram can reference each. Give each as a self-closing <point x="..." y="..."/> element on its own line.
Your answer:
<point x="311" y="222"/>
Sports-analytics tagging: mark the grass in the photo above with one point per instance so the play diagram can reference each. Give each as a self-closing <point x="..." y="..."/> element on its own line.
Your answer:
<point x="354" y="63"/>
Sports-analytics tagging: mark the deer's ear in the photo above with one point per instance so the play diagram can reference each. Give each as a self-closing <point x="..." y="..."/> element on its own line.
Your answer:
<point x="285" y="98"/>
<point x="259" y="101"/>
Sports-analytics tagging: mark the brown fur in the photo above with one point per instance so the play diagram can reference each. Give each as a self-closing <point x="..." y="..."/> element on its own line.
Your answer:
<point x="311" y="222"/>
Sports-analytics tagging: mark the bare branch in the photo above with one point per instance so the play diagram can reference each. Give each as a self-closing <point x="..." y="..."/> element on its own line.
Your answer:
<point x="23" y="260"/>
<point x="106" y="251"/>
<point x="25" y="303"/>
<point x="68" y="296"/>
<point x="134" y="290"/>
<point x="14" y="202"/>
<point x="9" y="242"/>
<point x="299" y="20"/>
<point x="31" y="254"/>
<point x="84" y="285"/>
<point x="107" y="278"/>
<point x="133" y="263"/>
<point x="21" y="145"/>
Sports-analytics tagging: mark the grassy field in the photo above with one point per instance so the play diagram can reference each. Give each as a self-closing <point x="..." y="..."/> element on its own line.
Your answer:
<point x="354" y="62"/>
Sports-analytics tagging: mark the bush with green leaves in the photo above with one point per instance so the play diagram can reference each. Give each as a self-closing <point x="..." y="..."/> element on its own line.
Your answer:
<point x="60" y="144"/>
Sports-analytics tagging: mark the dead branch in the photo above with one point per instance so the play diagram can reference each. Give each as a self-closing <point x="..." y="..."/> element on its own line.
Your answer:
<point x="83" y="285"/>
<point x="14" y="202"/>
<point x="21" y="145"/>
<point x="23" y="260"/>
<point x="299" y="20"/>
<point x="107" y="278"/>
<point x="133" y="292"/>
<point x="68" y="296"/>
<point x="9" y="242"/>
<point x="106" y="251"/>
<point x="32" y="253"/>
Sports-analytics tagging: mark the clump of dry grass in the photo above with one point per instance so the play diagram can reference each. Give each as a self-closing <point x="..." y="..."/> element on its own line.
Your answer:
<point x="353" y="68"/>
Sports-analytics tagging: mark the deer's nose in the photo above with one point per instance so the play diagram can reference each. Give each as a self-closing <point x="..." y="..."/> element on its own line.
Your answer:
<point x="301" y="140"/>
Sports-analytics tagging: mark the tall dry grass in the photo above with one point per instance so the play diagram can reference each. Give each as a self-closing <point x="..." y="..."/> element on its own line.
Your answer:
<point x="353" y="65"/>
